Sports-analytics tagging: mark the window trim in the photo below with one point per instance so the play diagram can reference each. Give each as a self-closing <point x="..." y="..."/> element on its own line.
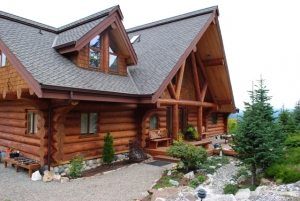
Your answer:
<point x="88" y="134"/>
<point x="32" y="123"/>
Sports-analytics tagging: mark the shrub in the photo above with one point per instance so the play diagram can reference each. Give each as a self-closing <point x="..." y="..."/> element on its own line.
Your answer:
<point x="201" y="178"/>
<point x="286" y="173"/>
<point x="188" y="154"/>
<point x="293" y="141"/>
<point x="230" y="189"/>
<point x="76" y="167"/>
<point x="232" y="125"/>
<point x="108" y="154"/>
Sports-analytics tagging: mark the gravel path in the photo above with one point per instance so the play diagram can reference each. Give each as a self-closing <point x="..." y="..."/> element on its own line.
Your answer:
<point x="124" y="184"/>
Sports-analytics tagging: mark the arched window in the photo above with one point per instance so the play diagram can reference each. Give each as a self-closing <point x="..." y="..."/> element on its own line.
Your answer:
<point x="153" y="122"/>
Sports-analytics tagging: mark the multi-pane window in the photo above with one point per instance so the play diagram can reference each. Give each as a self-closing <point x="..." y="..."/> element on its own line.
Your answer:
<point x="214" y="118"/>
<point x="89" y="123"/>
<point x="32" y="121"/>
<point x="113" y="57"/>
<point x="95" y="52"/>
<point x="2" y="59"/>
<point x="153" y="122"/>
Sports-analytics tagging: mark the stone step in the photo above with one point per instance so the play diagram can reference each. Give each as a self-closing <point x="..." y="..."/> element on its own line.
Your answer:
<point x="166" y="158"/>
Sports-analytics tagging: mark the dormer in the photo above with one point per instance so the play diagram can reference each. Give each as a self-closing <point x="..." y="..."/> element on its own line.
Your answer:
<point x="98" y="42"/>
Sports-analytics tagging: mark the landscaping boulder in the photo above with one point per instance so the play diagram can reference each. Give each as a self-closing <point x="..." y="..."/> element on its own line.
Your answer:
<point x="243" y="194"/>
<point x="189" y="175"/>
<point x="173" y="182"/>
<point x="47" y="176"/>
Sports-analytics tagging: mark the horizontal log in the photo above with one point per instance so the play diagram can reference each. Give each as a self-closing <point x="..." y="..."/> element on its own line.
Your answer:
<point x="59" y="118"/>
<point x="72" y="122"/>
<point x="21" y="139"/>
<point x="69" y="131"/>
<point x="220" y="132"/>
<point x="13" y="115"/>
<point x="185" y="103"/>
<point x="13" y="108"/>
<point x="84" y="146"/>
<point x="105" y="106"/>
<point x="58" y="137"/>
<point x="13" y="122"/>
<point x="192" y="122"/>
<point x="117" y="114"/>
<point x="13" y="130"/>
<point x="117" y="120"/>
<point x="34" y="150"/>
<point x="213" y="62"/>
<point x="215" y="125"/>
<point x="215" y="129"/>
<point x="117" y="127"/>
<point x="57" y="156"/>
<point x="192" y="118"/>
<point x="162" y="125"/>
<point x="58" y="127"/>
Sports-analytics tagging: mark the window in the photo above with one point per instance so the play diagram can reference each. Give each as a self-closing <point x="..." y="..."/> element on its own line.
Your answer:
<point x="113" y="57"/>
<point x="89" y="123"/>
<point x="95" y="52"/>
<point x="214" y="118"/>
<point x="153" y="122"/>
<point x="32" y="121"/>
<point x="2" y="59"/>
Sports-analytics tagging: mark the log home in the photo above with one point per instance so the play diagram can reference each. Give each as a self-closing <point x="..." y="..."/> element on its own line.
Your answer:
<point x="62" y="89"/>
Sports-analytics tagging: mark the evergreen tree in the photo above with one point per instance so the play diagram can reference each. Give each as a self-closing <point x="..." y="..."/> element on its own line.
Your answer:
<point x="258" y="141"/>
<point x="108" y="154"/>
<point x="296" y="115"/>
<point x="286" y="121"/>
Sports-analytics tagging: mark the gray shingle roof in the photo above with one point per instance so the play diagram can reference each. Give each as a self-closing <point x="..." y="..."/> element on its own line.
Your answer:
<point x="160" y="47"/>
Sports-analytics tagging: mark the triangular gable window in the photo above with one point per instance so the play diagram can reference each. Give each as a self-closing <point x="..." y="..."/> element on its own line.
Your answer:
<point x="95" y="52"/>
<point x="113" y="56"/>
<point x="2" y="59"/>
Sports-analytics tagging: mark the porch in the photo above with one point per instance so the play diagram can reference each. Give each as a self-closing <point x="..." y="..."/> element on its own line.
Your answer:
<point x="160" y="152"/>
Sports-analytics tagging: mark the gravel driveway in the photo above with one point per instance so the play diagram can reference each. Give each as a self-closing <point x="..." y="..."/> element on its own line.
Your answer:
<point x="124" y="184"/>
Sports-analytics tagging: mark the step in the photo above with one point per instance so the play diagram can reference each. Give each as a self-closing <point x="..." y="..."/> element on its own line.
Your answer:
<point x="166" y="158"/>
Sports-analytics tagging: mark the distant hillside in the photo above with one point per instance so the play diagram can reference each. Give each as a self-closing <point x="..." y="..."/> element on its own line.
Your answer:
<point x="241" y="113"/>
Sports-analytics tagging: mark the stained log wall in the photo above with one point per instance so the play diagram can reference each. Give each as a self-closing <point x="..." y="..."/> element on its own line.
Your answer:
<point x="219" y="127"/>
<point x="118" y="119"/>
<point x="13" y="129"/>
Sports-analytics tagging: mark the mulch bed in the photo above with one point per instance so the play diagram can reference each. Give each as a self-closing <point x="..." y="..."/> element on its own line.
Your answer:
<point x="105" y="168"/>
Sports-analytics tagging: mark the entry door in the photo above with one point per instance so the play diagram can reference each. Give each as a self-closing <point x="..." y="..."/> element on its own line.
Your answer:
<point x="182" y="114"/>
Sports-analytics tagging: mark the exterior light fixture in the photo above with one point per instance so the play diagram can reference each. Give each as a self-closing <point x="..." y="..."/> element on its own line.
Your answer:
<point x="201" y="194"/>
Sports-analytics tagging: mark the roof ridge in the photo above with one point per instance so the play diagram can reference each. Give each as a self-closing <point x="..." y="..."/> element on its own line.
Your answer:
<point x="172" y="19"/>
<point x="55" y="30"/>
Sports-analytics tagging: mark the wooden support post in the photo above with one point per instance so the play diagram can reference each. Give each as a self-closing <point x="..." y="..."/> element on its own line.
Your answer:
<point x="199" y="120"/>
<point x="196" y="78"/>
<point x="175" y="122"/>
<point x="105" y="56"/>
<point x="203" y="91"/>
<point x="179" y="80"/>
<point x="172" y="91"/>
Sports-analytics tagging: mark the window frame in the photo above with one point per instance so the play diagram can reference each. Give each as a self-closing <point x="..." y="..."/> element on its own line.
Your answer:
<point x="157" y="122"/>
<point x="214" y="118"/>
<point x="32" y="124"/>
<point x="1" y="59"/>
<point x="88" y="134"/>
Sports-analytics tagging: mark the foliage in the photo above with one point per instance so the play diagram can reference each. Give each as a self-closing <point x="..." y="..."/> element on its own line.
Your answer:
<point x="194" y="183"/>
<point x="286" y="121"/>
<point x="76" y="167"/>
<point x="180" y="136"/>
<point x="189" y="154"/>
<point x="136" y="152"/>
<point x="108" y="154"/>
<point x="258" y="141"/>
<point x="286" y="168"/>
<point x="213" y="161"/>
<point x="232" y="125"/>
<point x="230" y="189"/>
<point x="296" y="115"/>
<point x="201" y="178"/>
<point x="293" y="141"/>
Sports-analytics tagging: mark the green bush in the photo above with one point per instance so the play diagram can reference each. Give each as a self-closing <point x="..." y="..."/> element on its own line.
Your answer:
<point x="188" y="154"/>
<point x="201" y="178"/>
<point x="108" y="154"/>
<point x="293" y="141"/>
<point x="230" y="189"/>
<point x="232" y="125"/>
<point x="76" y="167"/>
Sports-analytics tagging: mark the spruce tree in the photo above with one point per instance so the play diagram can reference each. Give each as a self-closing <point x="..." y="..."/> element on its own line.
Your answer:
<point x="258" y="141"/>
<point x="296" y="115"/>
<point x="286" y="121"/>
<point x="108" y="154"/>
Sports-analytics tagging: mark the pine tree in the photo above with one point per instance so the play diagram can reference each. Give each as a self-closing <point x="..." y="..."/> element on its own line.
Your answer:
<point x="296" y="115"/>
<point x="258" y="141"/>
<point x="108" y="149"/>
<point x="286" y="121"/>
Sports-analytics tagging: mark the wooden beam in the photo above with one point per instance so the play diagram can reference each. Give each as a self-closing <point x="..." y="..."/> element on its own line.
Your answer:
<point x="195" y="76"/>
<point x="179" y="80"/>
<point x="113" y="25"/>
<point x="225" y="102"/>
<point x="105" y="56"/>
<point x="164" y="102"/>
<point x="172" y="91"/>
<point x="199" y="120"/>
<point x="203" y="71"/>
<point x="203" y="91"/>
<point x="213" y="62"/>
<point x="175" y="122"/>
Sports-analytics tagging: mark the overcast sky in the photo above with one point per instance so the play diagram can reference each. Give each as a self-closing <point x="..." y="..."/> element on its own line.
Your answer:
<point x="260" y="37"/>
